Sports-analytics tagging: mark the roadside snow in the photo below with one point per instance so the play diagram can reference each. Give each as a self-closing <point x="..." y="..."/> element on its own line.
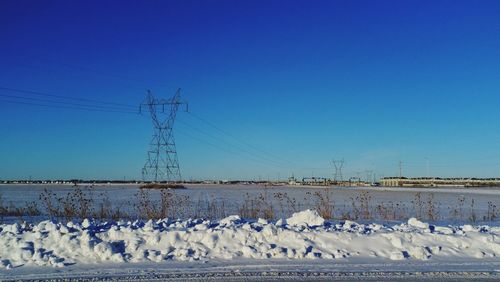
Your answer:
<point x="305" y="235"/>
<point x="417" y="223"/>
<point x="305" y="218"/>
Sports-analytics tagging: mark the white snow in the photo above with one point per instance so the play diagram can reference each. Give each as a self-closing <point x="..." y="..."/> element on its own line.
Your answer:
<point x="305" y="235"/>
<point x="305" y="218"/>
<point x="417" y="223"/>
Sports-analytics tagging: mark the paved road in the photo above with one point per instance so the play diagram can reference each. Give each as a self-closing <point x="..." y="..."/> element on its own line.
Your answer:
<point x="265" y="270"/>
<point x="280" y="276"/>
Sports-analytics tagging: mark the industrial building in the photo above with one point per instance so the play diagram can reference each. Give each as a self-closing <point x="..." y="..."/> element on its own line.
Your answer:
<point x="439" y="182"/>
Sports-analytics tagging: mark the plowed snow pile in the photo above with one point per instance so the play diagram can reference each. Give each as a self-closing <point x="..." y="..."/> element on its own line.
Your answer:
<point x="303" y="236"/>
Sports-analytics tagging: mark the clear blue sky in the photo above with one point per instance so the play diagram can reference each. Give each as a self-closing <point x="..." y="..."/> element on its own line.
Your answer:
<point x="373" y="82"/>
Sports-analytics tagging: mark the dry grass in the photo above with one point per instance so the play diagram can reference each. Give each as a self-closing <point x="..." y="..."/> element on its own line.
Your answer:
<point x="360" y="207"/>
<point x="79" y="204"/>
<point x="323" y="203"/>
<point x="29" y="209"/>
<point x="259" y="206"/>
<point x="169" y="205"/>
<point x="492" y="213"/>
<point x="210" y="208"/>
<point x="165" y="203"/>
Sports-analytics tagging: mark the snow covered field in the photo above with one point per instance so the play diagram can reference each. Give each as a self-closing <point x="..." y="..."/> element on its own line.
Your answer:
<point x="292" y="245"/>
<point x="437" y="205"/>
<point x="304" y="236"/>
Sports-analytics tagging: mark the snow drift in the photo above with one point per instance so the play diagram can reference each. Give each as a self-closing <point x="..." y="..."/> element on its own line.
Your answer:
<point x="303" y="236"/>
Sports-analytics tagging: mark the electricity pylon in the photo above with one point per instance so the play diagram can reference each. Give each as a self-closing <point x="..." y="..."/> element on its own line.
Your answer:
<point x="162" y="163"/>
<point x="338" y="164"/>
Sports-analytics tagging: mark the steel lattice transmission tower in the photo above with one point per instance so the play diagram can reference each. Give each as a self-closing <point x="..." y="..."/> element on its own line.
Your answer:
<point x="338" y="164"/>
<point x="162" y="163"/>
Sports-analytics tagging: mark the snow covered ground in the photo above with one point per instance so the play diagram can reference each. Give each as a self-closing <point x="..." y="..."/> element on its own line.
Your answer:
<point x="450" y="205"/>
<point x="301" y="246"/>
<point x="292" y="244"/>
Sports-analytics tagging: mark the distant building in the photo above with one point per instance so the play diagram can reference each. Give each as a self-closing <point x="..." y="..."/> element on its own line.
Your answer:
<point x="293" y="181"/>
<point x="316" y="181"/>
<point x="439" y="182"/>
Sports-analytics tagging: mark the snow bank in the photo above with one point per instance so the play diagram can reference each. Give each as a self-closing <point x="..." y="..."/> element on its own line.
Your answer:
<point x="303" y="236"/>
<point x="306" y="218"/>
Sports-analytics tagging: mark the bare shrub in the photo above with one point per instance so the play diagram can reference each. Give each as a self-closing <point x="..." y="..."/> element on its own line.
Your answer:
<point x="249" y="207"/>
<point x="31" y="209"/>
<point x="355" y="212"/>
<point x="386" y="211"/>
<point x="49" y="201"/>
<point x="360" y="206"/>
<point x="284" y="199"/>
<point x="365" y="198"/>
<point x="258" y="206"/>
<point x="267" y="206"/>
<point x="170" y="205"/>
<point x="174" y="205"/>
<point x="145" y="207"/>
<point x="210" y="208"/>
<point x="323" y="204"/>
<point x="83" y="202"/>
<point x="418" y="205"/>
<point x="215" y="208"/>
<point x="458" y="210"/>
<point x="461" y="203"/>
<point x="491" y="213"/>
<point x="401" y="211"/>
<point x="76" y="204"/>
<point x="106" y="210"/>
<point x="346" y="216"/>
<point x="3" y="210"/>
<point x="472" y="216"/>
<point x="431" y="208"/>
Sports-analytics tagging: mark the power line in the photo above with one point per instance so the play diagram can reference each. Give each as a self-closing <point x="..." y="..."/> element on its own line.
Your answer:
<point x="244" y="142"/>
<point x="224" y="149"/>
<point x="66" y="103"/>
<point x="236" y="138"/>
<point x="258" y="155"/>
<point x="79" y="68"/>
<point x="65" y="107"/>
<point x="64" y="97"/>
<point x="262" y="158"/>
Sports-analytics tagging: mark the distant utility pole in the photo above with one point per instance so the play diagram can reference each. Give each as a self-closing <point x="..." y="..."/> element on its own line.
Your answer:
<point x="338" y="165"/>
<point x="427" y="162"/>
<point x="369" y="174"/>
<point x="162" y="163"/>
<point x="400" y="169"/>
<point x="358" y="175"/>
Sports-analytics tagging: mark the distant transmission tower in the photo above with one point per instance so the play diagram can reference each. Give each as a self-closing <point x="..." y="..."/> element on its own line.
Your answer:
<point x="162" y="163"/>
<point x="338" y="165"/>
